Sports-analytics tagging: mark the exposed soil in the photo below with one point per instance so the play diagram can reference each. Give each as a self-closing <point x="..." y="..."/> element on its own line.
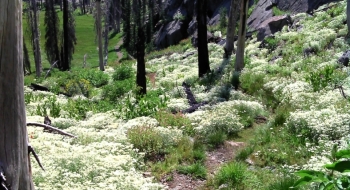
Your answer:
<point x="215" y="159"/>
<point x="118" y="50"/>
<point x="152" y="78"/>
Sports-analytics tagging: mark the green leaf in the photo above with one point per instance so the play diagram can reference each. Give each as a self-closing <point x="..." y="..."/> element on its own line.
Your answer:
<point x="309" y="173"/>
<point x="303" y="181"/>
<point x="343" y="154"/>
<point x="329" y="186"/>
<point x="339" y="166"/>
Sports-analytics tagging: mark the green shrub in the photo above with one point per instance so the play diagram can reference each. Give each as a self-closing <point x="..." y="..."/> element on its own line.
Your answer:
<point x="283" y="183"/>
<point x="223" y="18"/>
<point x="196" y="170"/>
<point x="123" y="72"/>
<point x="216" y="138"/>
<point x="337" y="176"/>
<point x="146" y="105"/>
<point x="77" y="87"/>
<point x="148" y="140"/>
<point x="112" y="92"/>
<point x="77" y="109"/>
<point x="95" y="77"/>
<point x="244" y="153"/>
<point x="252" y="83"/>
<point x="232" y="174"/>
<point x="178" y="120"/>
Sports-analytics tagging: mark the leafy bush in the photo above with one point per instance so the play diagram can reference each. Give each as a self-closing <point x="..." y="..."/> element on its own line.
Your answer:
<point x="252" y="83"/>
<point x="112" y="92"/>
<point x="50" y="104"/>
<point x="147" y="105"/>
<point x="336" y="178"/>
<point x="123" y="72"/>
<point x="95" y="77"/>
<point x="221" y="118"/>
<point x="77" y="109"/>
<point x="178" y="120"/>
<point x="147" y="139"/>
<point x="77" y="86"/>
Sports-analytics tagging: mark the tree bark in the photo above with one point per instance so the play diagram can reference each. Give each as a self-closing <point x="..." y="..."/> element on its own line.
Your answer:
<point x="65" y="64"/>
<point x="36" y="44"/>
<point x="348" y="16"/>
<point x="203" y="55"/>
<point x="140" y="48"/>
<point x="239" y="65"/>
<point x="13" y="131"/>
<point x="99" y="34"/>
<point x="106" y="32"/>
<point x="231" y="27"/>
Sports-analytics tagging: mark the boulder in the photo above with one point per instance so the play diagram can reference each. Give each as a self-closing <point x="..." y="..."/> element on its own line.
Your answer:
<point x="273" y="25"/>
<point x="215" y="20"/>
<point x="262" y="12"/>
<point x="192" y="27"/>
<point x="344" y="59"/>
<point x="169" y="34"/>
<point x="263" y="9"/>
<point x="298" y="6"/>
<point x="210" y="38"/>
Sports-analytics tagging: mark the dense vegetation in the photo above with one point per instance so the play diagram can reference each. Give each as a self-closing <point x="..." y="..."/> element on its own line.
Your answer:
<point x="121" y="135"/>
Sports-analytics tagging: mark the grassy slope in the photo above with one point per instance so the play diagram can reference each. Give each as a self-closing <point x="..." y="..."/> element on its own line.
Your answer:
<point x="85" y="41"/>
<point x="276" y="150"/>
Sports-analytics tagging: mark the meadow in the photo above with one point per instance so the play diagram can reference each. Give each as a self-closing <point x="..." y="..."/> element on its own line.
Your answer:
<point x="122" y="137"/>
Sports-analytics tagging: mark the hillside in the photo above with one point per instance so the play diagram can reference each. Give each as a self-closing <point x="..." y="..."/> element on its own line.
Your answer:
<point x="287" y="115"/>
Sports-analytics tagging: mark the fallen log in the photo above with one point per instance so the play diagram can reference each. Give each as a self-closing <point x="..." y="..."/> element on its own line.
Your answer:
<point x="50" y="128"/>
<point x="191" y="100"/>
<point x="36" y="87"/>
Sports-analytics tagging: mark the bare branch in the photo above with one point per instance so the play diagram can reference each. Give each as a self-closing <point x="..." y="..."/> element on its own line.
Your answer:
<point x="50" y="128"/>
<point x="31" y="150"/>
<point x="55" y="63"/>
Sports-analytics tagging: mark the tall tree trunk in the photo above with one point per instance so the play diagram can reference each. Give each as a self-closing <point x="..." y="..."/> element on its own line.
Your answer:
<point x="61" y="8"/>
<point x="52" y="31"/>
<point x="99" y="34"/>
<point x="140" y="48"/>
<point x="36" y="39"/>
<point x="239" y="65"/>
<point x="74" y="4"/>
<point x="106" y="32"/>
<point x="203" y="55"/>
<point x="26" y="61"/>
<point x="348" y="16"/>
<point x="65" y="64"/>
<point x="118" y="9"/>
<point x="231" y="27"/>
<point x="14" y="160"/>
<point x="84" y="10"/>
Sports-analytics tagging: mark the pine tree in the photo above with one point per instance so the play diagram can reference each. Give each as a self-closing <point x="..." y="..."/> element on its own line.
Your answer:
<point x="32" y="20"/>
<point x="69" y="39"/>
<point x="99" y="34"/>
<point x="203" y="55"/>
<point x="140" y="47"/>
<point x="26" y="61"/>
<point x="52" y="32"/>
<point x="126" y="14"/>
<point x="231" y="27"/>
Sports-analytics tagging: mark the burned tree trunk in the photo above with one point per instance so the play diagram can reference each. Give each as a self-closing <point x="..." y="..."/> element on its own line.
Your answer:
<point x="14" y="159"/>
<point x="239" y="65"/>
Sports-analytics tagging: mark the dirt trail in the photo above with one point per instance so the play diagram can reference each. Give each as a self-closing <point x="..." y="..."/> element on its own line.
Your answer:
<point x="118" y="49"/>
<point x="215" y="159"/>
